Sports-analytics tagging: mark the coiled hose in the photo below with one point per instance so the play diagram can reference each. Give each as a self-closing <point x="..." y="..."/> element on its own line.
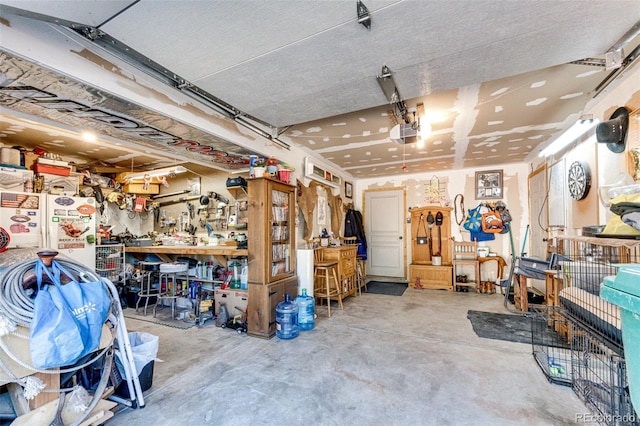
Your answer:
<point x="16" y="305"/>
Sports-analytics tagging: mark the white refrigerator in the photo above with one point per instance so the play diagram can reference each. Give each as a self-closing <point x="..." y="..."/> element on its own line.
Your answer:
<point x="71" y="227"/>
<point x="21" y="216"/>
<point x="58" y="222"/>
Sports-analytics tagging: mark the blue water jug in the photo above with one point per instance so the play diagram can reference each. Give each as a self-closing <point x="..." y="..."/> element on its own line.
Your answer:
<point x="287" y="319"/>
<point x="306" y="311"/>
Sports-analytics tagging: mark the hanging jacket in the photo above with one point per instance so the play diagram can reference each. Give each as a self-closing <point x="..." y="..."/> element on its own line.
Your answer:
<point x="353" y="227"/>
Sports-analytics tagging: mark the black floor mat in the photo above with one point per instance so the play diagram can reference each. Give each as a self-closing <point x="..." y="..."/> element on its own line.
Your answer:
<point x="512" y="328"/>
<point x="389" y="288"/>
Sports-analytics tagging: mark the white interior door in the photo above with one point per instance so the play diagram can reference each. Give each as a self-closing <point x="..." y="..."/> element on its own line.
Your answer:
<point x="385" y="231"/>
<point x="537" y="214"/>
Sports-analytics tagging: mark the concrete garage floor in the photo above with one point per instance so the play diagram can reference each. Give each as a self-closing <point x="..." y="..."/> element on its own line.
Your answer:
<point x="384" y="360"/>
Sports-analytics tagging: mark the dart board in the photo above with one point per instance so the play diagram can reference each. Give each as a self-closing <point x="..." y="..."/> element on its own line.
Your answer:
<point x="579" y="180"/>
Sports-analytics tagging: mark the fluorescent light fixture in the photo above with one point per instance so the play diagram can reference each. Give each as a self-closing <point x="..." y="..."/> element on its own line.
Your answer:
<point x="165" y="172"/>
<point x="574" y="132"/>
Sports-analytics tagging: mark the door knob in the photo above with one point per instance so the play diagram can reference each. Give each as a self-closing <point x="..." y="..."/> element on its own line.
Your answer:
<point x="400" y="237"/>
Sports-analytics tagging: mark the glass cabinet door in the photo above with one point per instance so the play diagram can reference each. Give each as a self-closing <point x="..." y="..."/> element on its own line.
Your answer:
<point x="281" y="263"/>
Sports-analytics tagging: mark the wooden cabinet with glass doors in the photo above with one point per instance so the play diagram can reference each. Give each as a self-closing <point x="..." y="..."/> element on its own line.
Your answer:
<point x="271" y="243"/>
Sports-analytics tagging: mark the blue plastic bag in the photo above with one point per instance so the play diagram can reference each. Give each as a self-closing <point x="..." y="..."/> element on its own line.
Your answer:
<point x="67" y="319"/>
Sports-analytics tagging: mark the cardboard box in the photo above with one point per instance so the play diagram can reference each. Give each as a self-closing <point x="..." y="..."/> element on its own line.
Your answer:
<point x="236" y="301"/>
<point x="30" y="159"/>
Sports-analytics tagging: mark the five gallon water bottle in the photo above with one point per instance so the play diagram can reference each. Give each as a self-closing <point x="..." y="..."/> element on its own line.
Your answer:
<point x="287" y="319"/>
<point x="306" y="311"/>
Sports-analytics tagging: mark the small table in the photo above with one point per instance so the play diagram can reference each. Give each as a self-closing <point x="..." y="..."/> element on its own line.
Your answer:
<point x="485" y="286"/>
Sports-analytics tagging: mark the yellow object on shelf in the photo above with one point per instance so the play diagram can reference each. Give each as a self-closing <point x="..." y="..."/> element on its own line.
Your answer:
<point x="141" y="188"/>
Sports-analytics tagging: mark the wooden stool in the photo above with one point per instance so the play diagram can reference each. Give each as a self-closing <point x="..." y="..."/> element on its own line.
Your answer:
<point x="361" y="273"/>
<point x="324" y="288"/>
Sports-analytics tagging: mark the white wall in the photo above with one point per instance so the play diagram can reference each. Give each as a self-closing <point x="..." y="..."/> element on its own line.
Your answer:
<point x="463" y="182"/>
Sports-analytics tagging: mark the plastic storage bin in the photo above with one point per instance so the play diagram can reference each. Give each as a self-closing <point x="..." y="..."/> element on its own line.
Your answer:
<point x="144" y="347"/>
<point x="623" y="290"/>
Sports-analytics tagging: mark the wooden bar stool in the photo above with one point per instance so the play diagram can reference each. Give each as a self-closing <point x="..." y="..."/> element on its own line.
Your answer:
<point x="326" y="284"/>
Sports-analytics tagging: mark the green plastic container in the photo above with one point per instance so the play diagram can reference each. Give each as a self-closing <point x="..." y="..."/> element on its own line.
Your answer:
<point x="623" y="290"/>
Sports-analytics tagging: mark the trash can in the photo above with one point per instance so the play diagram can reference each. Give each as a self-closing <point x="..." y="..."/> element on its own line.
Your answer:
<point x="623" y="290"/>
<point x="144" y="348"/>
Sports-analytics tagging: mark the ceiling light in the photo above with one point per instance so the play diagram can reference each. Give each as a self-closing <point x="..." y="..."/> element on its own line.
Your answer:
<point x="89" y="137"/>
<point x="165" y="172"/>
<point x="580" y="127"/>
<point x="425" y="130"/>
<point x="364" y="17"/>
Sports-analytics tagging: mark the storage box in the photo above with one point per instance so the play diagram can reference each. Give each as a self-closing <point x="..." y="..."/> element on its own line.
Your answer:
<point x="235" y="300"/>
<point x="52" y="170"/>
<point x="52" y="162"/>
<point x="139" y="188"/>
<point x="146" y="381"/>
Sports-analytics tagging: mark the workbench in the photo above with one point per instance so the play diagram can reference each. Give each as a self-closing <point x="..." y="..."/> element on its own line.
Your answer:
<point x="220" y="253"/>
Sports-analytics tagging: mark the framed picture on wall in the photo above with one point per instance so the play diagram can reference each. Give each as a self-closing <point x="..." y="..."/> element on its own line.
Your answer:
<point x="348" y="189"/>
<point x="489" y="184"/>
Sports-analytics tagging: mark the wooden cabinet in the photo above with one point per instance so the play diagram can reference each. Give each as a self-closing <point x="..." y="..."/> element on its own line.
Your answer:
<point x="271" y="247"/>
<point x="271" y="240"/>
<point x="426" y="243"/>
<point x="263" y="299"/>
<point x="346" y="257"/>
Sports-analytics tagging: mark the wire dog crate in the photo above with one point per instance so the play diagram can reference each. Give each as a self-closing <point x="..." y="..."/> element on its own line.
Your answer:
<point x="587" y="261"/>
<point x="599" y="375"/>
<point x="600" y="378"/>
<point x="551" y="345"/>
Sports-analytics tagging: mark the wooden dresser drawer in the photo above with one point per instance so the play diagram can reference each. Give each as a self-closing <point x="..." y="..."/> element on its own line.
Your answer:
<point x="348" y="253"/>
<point x="348" y="266"/>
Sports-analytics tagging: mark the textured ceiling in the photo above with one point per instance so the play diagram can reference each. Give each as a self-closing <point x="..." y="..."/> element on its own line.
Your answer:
<point x="495" y="76"/>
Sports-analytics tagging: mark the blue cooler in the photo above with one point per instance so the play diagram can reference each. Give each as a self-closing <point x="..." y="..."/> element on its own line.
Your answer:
<point x="623" y="290"/>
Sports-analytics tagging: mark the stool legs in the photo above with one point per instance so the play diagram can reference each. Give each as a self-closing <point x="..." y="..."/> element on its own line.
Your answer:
<point x="170" y="293"/>
<point x="324" y="275"/>
<point x="361" y="275"/>
<point x="146" y="292"/>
